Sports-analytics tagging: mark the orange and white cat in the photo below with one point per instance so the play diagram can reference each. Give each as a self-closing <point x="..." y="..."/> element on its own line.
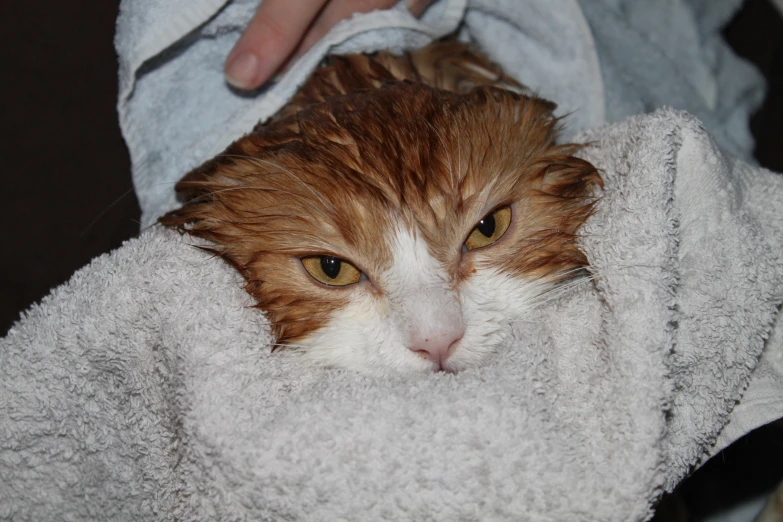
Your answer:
<point x="400" y="213"/>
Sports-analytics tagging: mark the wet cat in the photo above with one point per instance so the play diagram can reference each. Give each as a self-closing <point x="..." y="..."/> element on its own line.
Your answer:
<point x="400" y="213"/>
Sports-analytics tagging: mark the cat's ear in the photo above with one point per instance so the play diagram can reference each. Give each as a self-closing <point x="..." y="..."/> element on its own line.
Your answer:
<point x="192" y="189"/>
<point x="526" y="109"/>
<point x="570" y="177"/>
<point x="546" y="105"/>
<point x="220" y="172"/>
<point x="193" y="184"/>
<point x="197" y="187"/>
<point x="541" y="106"/>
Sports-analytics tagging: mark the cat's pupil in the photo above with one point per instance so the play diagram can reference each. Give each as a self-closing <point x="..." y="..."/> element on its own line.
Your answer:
<point x="331" y="266"/>
<point x="487" y="226"/>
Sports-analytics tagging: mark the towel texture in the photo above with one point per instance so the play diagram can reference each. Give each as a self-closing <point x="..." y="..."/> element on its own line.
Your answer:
<point x="145" y="388"/>
<point x="600" y="60"/>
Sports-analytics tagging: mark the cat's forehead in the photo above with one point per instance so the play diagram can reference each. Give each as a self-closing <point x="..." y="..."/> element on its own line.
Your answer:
<point x="412" y="144"/>
<point x="407" y="155"/>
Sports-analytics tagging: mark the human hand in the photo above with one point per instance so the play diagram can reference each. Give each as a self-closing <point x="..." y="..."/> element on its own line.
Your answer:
<point x="282" y="30"/>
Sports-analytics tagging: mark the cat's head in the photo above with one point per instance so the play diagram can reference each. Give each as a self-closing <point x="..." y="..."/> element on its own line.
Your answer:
<point x="399" y="229"/>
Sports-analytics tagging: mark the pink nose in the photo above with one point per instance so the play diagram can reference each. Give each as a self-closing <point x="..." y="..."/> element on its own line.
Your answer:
<point x="439" y="346"/>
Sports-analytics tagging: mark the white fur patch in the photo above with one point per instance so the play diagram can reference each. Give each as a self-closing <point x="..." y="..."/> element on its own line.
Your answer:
<point x="418" y="300"/>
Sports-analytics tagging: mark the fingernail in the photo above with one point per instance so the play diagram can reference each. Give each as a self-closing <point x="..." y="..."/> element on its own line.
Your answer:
<point x="242" y="70"/>
<point x="415" y="7"/>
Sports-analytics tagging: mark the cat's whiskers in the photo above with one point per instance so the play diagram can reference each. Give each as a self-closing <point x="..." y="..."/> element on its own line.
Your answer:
<point x="593" y="275"/>
<point x="119" y="198"/>
<point x="238" y="363"/>
<point x="600" y="273"/>
<point x="559" y="290"/>
<point x="289" y="345"/>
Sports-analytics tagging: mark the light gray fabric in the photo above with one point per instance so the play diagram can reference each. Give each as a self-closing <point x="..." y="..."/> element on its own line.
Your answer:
<point x="144" y="388"/>
<point x="600" y="60"/>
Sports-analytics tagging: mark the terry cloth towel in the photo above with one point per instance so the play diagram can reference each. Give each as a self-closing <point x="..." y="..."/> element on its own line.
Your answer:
<point x="600" y="60"/>
<point x="145" y="389"/>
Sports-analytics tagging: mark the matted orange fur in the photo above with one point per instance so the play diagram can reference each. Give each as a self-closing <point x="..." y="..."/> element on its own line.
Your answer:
<point x="388" y="164"/>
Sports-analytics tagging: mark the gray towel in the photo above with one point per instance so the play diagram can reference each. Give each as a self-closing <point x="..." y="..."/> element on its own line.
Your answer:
<point x="144" y="388"/>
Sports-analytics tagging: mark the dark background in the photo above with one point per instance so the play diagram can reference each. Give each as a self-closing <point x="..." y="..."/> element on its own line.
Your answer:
<point x="62" y="160"/>
<point x="67" y="193"/>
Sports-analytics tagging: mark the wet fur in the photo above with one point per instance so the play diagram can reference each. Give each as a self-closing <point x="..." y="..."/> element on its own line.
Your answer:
<point x="380" y="154"/>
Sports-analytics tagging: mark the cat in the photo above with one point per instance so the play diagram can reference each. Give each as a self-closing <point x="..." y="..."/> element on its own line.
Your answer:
<point x="399" y="213"/>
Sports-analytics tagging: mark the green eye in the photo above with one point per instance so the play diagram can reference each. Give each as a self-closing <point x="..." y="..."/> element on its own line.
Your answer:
<point x="331" y="270"/>
<point x="489" y="229"/>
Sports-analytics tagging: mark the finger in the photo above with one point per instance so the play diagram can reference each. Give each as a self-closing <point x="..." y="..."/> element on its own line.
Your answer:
<point x="334" y="12"/>
<point x="417" y="7"/>
<point x="270" y="37"/>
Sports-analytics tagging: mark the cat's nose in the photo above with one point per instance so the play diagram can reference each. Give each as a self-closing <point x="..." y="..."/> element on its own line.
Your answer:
<point x="437" y="346"/>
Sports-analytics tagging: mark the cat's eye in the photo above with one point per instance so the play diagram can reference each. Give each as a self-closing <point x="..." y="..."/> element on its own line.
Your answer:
<point x="489" y="229"/>
<point x="331" y="270"/>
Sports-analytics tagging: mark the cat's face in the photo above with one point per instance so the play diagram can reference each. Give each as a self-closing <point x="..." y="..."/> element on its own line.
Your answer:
<point x="400" y="229"/>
